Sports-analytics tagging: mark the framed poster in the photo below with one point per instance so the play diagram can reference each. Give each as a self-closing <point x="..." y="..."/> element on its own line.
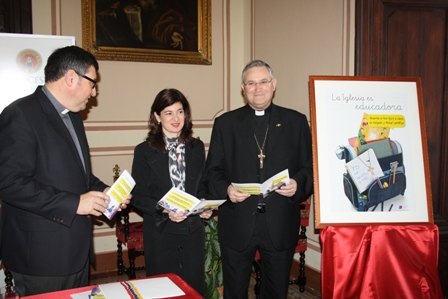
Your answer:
<point x="369" y="149"/>
<point x="169" y="31"/>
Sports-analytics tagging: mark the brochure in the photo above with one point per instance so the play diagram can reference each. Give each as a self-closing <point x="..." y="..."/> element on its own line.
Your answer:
<point x="119" y="191"/>
<point x="267" y="187"/>
<point x="177" y="200"/>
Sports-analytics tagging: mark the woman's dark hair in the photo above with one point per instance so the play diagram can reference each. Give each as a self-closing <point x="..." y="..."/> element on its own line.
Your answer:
<point x="166" y="98"/>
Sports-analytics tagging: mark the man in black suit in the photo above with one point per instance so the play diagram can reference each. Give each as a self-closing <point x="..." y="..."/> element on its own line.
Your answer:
<point x="47" y="189"/>
<point x="250" y="145"/>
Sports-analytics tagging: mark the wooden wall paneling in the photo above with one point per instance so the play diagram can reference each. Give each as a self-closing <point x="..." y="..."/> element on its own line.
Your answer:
<point x="410" y="38"/>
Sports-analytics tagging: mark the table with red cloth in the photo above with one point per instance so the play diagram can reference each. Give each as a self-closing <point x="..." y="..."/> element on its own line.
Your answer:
<point x="190" y="293"/>
<point x="380" y="261"/>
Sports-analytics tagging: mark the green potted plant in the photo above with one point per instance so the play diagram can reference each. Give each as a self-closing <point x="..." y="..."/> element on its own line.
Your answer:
<point x="213" y="268"/>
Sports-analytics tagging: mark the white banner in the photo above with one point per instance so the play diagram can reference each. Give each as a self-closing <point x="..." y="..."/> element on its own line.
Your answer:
<point x="22" y="61"/>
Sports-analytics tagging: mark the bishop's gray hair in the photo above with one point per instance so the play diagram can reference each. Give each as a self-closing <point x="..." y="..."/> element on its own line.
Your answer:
<point x="256" y="63"/>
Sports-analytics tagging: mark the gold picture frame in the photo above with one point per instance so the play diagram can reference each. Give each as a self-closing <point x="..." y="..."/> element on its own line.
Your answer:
<point x="175" y="31"/>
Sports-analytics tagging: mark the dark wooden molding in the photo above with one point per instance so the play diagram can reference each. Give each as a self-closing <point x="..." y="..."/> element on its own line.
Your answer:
<point x="408" y="38"/>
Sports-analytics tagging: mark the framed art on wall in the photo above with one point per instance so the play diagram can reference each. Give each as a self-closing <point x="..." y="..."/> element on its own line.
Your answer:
<point x="169" y="31"/>
<point x="369" y="150"/>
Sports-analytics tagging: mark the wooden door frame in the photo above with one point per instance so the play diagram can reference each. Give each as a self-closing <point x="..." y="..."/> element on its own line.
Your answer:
<point x="370" y="48"/>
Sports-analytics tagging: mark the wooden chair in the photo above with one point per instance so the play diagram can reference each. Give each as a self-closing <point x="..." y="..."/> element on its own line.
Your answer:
<point x="300" y="248"/>
<point x="129" y="234"/>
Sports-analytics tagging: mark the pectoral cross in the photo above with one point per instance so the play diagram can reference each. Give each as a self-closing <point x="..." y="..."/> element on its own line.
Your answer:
<point x="261" y="156"/>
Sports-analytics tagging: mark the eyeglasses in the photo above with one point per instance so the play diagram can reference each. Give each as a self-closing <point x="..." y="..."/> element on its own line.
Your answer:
<point x="92" y="82"/>
<point x="252" y="84"/>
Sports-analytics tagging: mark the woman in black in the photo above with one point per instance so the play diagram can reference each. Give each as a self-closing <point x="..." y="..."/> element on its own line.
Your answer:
<point x="170" y="156"/>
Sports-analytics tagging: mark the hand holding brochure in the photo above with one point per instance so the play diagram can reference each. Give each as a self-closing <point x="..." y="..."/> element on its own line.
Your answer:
<point x="119" y="191"/>
<point x="177" y="200"/>
<point x="267" y="187"/>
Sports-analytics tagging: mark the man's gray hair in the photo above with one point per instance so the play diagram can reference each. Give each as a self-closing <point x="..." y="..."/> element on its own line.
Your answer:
<point x="257" y="63"/>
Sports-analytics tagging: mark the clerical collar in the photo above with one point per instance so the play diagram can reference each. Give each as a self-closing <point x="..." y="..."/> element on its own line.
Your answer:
<point x="57" y="105"/>
<point x="262" y="112"/>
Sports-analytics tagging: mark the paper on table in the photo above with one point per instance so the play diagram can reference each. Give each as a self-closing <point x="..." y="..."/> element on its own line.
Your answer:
<point x="119" y="191"/>
<point x="159" y="287"/>
<point x="268" y="186"/>
<point x="82" y="295"/>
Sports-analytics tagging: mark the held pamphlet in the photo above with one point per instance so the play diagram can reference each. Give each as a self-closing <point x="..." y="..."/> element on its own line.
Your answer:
<point x="119" y="191"/>
<point x="177" y="200"/>
<point x="267" y="187"/>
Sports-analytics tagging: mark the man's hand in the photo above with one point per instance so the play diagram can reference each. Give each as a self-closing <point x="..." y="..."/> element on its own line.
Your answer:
<point x="288" y="190"/>
<point x="236" y="196"/>
<point x="92" y="203"/>
<point x="125" y="203"/>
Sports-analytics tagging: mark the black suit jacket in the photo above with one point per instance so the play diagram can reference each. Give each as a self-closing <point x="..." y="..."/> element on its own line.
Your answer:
<point x="41" y="180"/>
<point x="150" y="171"/>
<point x="232" y="157"/>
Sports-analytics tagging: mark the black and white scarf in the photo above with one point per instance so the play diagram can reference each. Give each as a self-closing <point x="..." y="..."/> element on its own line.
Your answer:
<point x="176" y="161"/>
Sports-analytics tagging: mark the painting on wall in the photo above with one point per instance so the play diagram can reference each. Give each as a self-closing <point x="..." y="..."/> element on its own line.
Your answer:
<point x="369" y="150"/>
<point x="168" y="31"/>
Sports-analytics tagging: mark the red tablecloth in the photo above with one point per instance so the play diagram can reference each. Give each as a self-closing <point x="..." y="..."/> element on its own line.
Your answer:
<point x="190" y="293"/>
<point x="380" y="261"/>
